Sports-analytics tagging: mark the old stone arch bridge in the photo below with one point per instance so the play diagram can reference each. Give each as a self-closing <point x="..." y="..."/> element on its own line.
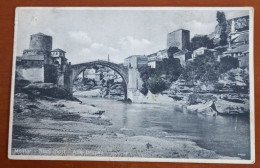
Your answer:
<point x="76" y="69"/>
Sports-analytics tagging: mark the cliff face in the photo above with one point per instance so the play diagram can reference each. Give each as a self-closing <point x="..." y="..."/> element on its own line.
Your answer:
<point x="240" y="24"/>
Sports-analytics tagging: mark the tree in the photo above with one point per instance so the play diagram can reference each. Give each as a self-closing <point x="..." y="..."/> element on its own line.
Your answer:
<point x="158" y="84"/>
<point x="171" y="51"/>
<point x="204" y="68"/>
<point x="221" y="18"/>
<point x="160" y="78"/>
<point x="228" y="63"/>
<point x="201" y="41"/>
<point x="171" y="68"/>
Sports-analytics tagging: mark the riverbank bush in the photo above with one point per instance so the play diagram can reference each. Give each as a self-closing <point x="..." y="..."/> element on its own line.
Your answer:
<point x="160" y="78"/>
<point x="206" y="70"/>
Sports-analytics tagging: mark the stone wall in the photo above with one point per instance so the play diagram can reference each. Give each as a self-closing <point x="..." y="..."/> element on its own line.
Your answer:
<point x="34" y="74"/>
<point x="51" y="74"/>
<point x="181" y="59"/>
<point x="68" y="83"/>
<point x="135" y="83"/>
<point x="243" y="60"/>
<point x="240" y="24"/>
<point x="152" y="64"/>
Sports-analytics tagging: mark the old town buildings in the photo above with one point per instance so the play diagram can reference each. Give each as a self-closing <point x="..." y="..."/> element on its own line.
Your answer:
<point x="40" y="63"/>
<point x="238" y="44"/>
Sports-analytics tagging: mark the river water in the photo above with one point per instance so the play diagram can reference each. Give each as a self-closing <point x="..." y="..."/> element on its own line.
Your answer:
<point x="226" y="135"/>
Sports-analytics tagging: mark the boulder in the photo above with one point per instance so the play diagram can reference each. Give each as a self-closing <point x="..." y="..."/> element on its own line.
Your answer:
<point x="232" y="108"/>
<point x="21" y="95"/>
<point x="47" y="89"/>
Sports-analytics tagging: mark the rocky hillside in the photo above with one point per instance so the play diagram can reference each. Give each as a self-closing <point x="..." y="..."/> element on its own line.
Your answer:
<point x="241" y="24"/>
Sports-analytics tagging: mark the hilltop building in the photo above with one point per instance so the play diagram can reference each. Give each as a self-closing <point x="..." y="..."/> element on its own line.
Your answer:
<point x="203" y="51"/>
<point x="241" y="53"/>
<point x="156" y="58"/>
<point x="135" y="61"/>
<point x="179" y="38"/>
<point x="238" y="40"/>
<point x="183" y="56"/>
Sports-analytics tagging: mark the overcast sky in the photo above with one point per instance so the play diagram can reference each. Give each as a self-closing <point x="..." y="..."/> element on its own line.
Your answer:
<point x="87" y="34"/>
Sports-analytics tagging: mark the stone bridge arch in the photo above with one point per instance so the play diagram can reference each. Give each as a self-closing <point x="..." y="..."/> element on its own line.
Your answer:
<point x="76" y="69"/>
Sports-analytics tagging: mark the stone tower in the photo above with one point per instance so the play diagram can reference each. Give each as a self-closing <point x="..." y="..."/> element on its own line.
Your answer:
<point x="179" y="38"/>
<point x="40" y="41"/>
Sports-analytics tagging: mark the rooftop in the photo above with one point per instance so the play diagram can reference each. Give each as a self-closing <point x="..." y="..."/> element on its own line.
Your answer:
<point x="155" y="54"/>
<point x="247" y="51"/>
<point x="58" y="50"/>
<point x="241" y="37"/>
<point x="33" y="57"/>
<point x="138" y="56"/>
<point x="201" y="48"/>
<point x="204" y="48"/>
<point x="178" y="30"/>
<point x="152" y="55"/>
<point x="40" y="34"/>
<point x="239" y="49"/>
<point x="182" y="52"/>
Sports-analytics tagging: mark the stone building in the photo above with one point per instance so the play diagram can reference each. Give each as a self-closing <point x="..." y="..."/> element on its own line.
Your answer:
<point x="183" y="56"/>
<point x="40" y="63"/>
<point x="241" y="53"/>
<point x="135" y="61"/>
<point x="92" y="74"/>
<point x="243" y="59"/>
<point x="239" y="38"/>
<point x="156" y="58"/>
<point x="58" y="57"/>
<point x="203" y="51"/>
<point x="179" y="38"/>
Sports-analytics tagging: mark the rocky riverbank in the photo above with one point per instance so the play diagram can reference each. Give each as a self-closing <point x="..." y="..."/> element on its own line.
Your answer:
<point x="225" y="104"/>
<point x="50" y="126"/>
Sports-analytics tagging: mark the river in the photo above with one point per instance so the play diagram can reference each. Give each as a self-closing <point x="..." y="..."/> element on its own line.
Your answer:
<point x="226" y="135"/>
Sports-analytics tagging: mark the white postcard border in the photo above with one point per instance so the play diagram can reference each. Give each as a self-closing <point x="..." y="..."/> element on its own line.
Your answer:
<point x="97" y="158"/>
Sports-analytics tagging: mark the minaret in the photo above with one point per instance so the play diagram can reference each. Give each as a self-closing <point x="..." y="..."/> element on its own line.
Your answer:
<point x="231" y="34"/>
<point x="108" y="58"/>
<point x="233" y="29"/>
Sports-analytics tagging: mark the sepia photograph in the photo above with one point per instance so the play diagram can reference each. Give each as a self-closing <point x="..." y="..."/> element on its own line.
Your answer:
<point x="154" y="84"/>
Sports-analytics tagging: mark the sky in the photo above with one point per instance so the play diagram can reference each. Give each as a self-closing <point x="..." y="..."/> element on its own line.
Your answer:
<point x="88" y="34"/>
